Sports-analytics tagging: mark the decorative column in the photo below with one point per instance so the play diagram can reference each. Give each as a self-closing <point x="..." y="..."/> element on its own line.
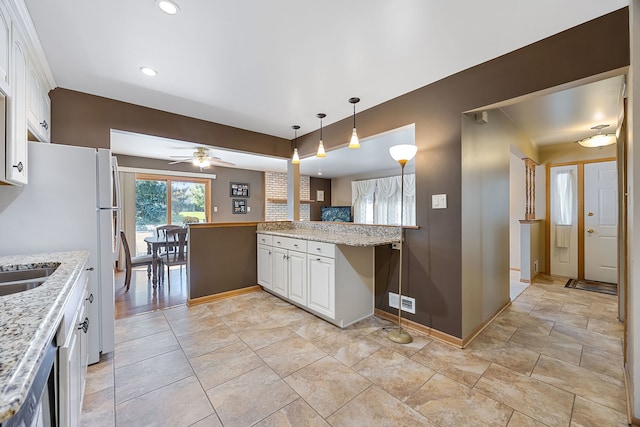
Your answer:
<point x="530" y="189"/>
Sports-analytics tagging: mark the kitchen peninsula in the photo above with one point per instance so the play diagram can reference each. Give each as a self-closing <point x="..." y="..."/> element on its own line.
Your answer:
<point x="326" y="268"/>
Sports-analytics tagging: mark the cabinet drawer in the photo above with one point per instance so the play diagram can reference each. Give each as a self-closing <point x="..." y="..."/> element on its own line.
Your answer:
<point x="321" y="248"/>
<point x="265" y="239"/>
<point x="290" y="244"/>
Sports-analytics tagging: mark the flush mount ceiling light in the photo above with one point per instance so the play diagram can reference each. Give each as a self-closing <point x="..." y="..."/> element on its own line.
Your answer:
<point x="321" y="152"/>
<point x="296" y="158"/>
<point x="599" y="139"/>
<point x="167" y="6"/>
<point x="148" y="71"/>
<point x="354" y="143"/>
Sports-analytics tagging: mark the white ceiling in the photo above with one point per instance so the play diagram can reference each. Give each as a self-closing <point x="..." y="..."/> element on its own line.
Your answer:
<point x="265" y="65"/>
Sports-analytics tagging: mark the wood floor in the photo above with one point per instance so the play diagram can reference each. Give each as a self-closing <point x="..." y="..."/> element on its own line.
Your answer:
<point x="143" y="297"/>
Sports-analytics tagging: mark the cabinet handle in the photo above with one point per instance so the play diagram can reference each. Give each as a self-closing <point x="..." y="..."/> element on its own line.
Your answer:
<point x="84" y="325"/>
<point x="44" y="124"/>
<point x="318" y="249"/>
<point x="89" y="269"/>
<point x="19" y="166"/>
<point x="269" y="252"/>
<point x="90" y="299"/>
<point x="278" y="242"/>
<point x="295" y="245"/>
<point x="318" y="259"/>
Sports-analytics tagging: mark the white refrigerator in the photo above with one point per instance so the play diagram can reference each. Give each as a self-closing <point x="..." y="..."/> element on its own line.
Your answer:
<point x="70" y="203"/>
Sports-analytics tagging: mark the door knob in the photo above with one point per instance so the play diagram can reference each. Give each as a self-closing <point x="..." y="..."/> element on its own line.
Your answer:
<point x="590" y="230"/>
<point x="590" y="214"/>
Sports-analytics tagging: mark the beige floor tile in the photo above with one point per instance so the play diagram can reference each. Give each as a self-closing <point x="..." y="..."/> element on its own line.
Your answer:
<point x="210" y="421"/>
<point x="450" y="403"/>
<point x="228" y="306"/>
<point x="98" y="409"/>
<point x="375" y="407"/>
<point x="201" y="342"/>
<point x="408" y="350"/>
<point x="602" y="362"/>
<point x="588" y="338"/>
<point x="589" y="309"/>
<point x="99" y="376"/>
<point x="140" y="325"/>
<point x="179" y="404"/>
<point x="606" y="326"/>
<point x="499" y="331"/>
<point x="559" y="348"/>
<point x="314" y="329"/>
<point x="520" y="420"/>
<point x="524" y="321"/>
<point x="251" y="397"/>
<point x="290" y="315"/>
<point x="287" y="356"/>
<point x="297" y="413"/>
<point x="259" y="338"/>
<point x="591" y="414"/>
<point x="558" y="316"/>
<point x="596" y="387"/>
<point x="224" y="364"/>
<point x="394" y="373"/>
<point x="139" y="349"/>
<point x="327" y="385"/>
<point x="509" y="355"/>
<point x="147" y="375"/>
<point x="348" y="346"/>
<point x="369" y="325"/>
<point x="201" y="320"/>
<point x="459" y="365"/>
<point x="248" y="319"/>
<point x="537" y="399"/>
<point x="520" y="307"/>
<point x="179" y="312"/>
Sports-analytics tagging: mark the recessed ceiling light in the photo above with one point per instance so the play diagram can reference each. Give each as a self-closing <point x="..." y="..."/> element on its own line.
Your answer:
<point x="148" y="71"/>
<point x="167" y="6"/>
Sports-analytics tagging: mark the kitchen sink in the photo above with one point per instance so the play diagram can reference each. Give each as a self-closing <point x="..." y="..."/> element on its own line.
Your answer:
<point x="14" y="281"/>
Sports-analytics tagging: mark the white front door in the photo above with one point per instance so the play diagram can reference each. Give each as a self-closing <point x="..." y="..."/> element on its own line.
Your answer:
<point x="601" y="222"/>
<point x="564" y="220"/>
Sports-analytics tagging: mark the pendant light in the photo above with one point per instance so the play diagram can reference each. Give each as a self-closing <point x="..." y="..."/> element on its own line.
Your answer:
<point x="599" y="139"/>
<point x="354" y="143"/>
<point x="321" y="152"/>
<point x="296" y="158"/>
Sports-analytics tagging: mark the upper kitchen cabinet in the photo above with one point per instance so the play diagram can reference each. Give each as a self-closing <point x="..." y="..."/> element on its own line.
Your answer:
<point x="25" y="82"/>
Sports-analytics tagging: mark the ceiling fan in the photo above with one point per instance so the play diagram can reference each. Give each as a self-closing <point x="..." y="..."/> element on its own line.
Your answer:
<point x="202" y="158"/>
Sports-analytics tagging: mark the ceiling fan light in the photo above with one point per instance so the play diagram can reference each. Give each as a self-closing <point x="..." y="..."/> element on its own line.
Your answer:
<point x="296" y="158"/>
<point x="599" y="140"/>
<point x="355" y="142"/>
<point x="169" y="7"/>
<point x="148" y="71"/>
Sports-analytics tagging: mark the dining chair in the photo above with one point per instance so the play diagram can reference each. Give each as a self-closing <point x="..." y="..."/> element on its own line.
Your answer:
<point x="161" y="230"/>
<point x="136" y="261"/>
<point x="177" y="239"/>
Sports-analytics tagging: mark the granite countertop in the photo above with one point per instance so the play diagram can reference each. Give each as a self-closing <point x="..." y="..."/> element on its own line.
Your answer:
<point x="29" y="322"/>
<point x="336" y="233"/>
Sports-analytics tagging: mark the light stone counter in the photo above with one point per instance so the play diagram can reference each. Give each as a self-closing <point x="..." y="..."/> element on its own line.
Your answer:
<point x="29" y="322"/>
<point x="334" y="232"/>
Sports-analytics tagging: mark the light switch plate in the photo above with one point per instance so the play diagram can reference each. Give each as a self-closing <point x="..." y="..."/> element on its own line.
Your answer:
<point x="215" y="209"/>
<point x="248" y="208"/>
<point x="439" y="201"/>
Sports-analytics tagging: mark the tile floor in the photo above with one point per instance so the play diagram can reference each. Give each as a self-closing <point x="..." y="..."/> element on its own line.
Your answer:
<point x="553" y="358"/>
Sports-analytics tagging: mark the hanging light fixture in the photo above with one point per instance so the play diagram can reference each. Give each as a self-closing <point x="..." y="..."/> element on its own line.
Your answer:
<point x="296" y="158"/>
<point x="354" y="143"/>
<point x="321" y="152"/>
<point x="401" y="154"/>
<point x="599" y="139"/>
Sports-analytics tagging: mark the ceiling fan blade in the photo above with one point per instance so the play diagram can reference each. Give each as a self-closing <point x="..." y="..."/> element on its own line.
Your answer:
<point x="220" y="162"/>
<point x="180" y="161"/>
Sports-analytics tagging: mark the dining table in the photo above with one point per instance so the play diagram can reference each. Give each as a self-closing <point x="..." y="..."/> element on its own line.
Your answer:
<point x="154" y="244"/>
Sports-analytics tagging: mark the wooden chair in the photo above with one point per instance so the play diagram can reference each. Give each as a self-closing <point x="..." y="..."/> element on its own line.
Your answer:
<point x="136" y="261"/>
<point x="161" y="231"/>
<point x="177" y="240"/>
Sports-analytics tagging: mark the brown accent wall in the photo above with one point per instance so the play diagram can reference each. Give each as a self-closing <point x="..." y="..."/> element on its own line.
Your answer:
<point x="222" y="258"/>
<point x="432" y="252"/>
<point x="314" y="185"/>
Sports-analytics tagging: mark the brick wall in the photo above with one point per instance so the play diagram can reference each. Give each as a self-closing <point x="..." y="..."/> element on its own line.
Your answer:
<point x="276" y="187"/>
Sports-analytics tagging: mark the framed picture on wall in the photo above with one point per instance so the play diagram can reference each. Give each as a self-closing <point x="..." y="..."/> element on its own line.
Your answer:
<point x="238" y="189"/>
<point x="239" y="206"/>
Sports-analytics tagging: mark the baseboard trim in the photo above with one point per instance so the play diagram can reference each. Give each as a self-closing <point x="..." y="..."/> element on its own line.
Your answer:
<point x="469" y="338"/>
<point x="525" y="281"/>
<point x="439" y="335"/>
<point x="630" y="418"/>
<point x="417" y="327"/>
<point x="223" y="295"/>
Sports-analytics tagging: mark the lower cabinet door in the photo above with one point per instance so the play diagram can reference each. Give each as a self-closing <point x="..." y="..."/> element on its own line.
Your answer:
<point x="298" y="277"/>
<point x="322" y="285"/>
<point x="280" y="272"/>
<point x="265" y="266"/>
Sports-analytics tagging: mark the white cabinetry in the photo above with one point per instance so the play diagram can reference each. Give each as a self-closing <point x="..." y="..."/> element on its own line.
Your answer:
<point x="335" y="282"/>
<point x="73" y="354"/>
<point x="5" y="50"/>
<point x="16" y="141"/>
<point x="39" y="105"/>
<point x="265" y="262"/>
